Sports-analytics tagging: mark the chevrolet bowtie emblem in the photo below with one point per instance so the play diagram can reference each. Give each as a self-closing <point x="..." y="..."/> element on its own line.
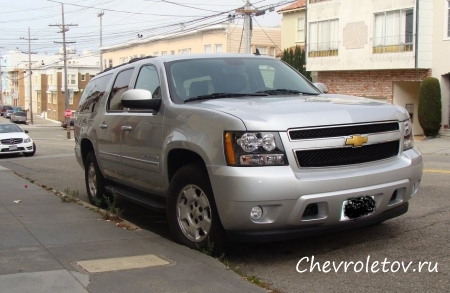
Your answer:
<point x="356" y="140"/>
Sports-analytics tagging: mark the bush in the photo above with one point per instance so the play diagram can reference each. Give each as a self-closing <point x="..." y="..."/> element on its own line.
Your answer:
<point x="430" y="106"/>
<point x="296" y="57"/>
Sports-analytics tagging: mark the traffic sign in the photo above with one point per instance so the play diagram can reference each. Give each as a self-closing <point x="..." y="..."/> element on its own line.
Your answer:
<point x="68" y="113"/>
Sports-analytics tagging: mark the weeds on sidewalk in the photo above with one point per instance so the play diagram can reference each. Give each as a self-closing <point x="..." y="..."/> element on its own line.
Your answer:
<point x="209" y="250"/>
<point x="112" y="212"/>
<point x="70" y="195"/>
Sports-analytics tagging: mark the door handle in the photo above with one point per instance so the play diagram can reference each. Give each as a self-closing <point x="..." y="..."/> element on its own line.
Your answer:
<point x="126" y="128"/>
<point x="103" y="126"/>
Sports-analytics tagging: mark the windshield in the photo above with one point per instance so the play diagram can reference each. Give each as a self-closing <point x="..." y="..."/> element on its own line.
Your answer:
<point x="222" y="77"/>
<point x="8" y="128"/>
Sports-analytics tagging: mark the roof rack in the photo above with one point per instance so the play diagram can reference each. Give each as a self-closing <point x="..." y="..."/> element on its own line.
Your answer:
<point x="131" y="61"/>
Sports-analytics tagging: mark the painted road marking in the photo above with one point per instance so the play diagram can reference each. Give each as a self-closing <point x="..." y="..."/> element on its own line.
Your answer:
<point x="436" y="171"/>
<point x="122" y="263"/>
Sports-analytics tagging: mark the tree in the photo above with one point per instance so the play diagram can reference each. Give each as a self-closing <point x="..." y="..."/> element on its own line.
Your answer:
<point x="430" y="106"/>
<point x="296" y="58"/>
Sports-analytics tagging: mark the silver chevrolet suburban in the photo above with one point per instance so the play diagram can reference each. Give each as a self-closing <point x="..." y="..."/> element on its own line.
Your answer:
<point x="244" y="148"/>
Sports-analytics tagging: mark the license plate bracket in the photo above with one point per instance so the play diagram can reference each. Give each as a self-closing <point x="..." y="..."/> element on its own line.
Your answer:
<point x="358" y="207"/>
<point x="12" y="147"/>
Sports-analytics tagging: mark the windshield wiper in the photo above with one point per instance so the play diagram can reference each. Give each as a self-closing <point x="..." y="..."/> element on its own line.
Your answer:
<point x="284" y="92"/>
<point x="225" y="95"/>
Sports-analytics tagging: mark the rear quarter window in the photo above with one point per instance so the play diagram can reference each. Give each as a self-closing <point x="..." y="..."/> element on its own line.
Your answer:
<point x="93" y="94"/>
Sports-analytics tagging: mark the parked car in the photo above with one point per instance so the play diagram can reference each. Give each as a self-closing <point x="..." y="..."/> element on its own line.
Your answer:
<point x="64" y="123"/>
<point x="8" y="114"/>
<point x="19" y="117"/>
<point x="3" y="109"/>
<point x="243" y="147"/>
<point x="14" y="139"/>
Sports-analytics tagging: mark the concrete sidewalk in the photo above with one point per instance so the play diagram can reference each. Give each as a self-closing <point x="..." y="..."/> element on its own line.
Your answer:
<point x="49" y="246"/>
<point x="434" y="146"/>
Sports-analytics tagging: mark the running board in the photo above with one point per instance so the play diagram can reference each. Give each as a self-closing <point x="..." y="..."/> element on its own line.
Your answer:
<point x="141" y="199"/>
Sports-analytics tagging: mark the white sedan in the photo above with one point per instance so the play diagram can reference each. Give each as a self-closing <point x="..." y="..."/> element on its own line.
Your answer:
<point x="14" y="139"/>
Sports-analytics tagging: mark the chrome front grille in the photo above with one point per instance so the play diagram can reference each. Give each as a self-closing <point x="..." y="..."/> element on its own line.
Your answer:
<point x="346" y="130"/>
<point x="340" y="145"/>
<point x="11" y="141"/>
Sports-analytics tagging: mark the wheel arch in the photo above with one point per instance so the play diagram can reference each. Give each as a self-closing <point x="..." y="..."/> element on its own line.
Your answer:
<point x="178" y="157"/>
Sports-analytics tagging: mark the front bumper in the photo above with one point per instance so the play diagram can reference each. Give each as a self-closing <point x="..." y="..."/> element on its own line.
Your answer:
<point x="16" y="148"/>
<point x="284" y="194"/>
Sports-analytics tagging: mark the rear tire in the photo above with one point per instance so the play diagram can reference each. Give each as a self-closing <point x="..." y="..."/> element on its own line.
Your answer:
<point x="192" y="213"/>
<point x="95" y="182"/>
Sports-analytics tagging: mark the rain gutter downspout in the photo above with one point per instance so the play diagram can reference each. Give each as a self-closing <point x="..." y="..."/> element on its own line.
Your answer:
<point x="416" y="41"/>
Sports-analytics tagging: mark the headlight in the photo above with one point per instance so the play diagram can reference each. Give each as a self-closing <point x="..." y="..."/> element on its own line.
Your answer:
<point x="27" y="140"/>
<point x="254" y="149"/>
<point x="408" y="137"/>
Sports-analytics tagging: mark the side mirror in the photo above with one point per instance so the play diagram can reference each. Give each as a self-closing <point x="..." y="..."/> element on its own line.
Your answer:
<point x="321" y="86"/>
<point x="26" y="131"/>
<point x="140" y="99"/>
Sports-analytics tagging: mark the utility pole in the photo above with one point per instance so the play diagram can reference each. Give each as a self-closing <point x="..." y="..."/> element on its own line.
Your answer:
<point x="1" y="78"/>
<point x="247" y="12"/>
<point x="29" y="75"/>
<point x="64" y="29"/>
<point x="101" y="57"/>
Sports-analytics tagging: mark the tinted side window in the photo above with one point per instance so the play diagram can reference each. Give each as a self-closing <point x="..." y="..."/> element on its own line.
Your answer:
<point x="93" y="94"/>
<point x="120" y="86"/>
<point x="148" y="80"/>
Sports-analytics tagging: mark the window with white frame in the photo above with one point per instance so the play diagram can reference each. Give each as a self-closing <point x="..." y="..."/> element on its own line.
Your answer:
<point x="71" y="93"/>
<point x="50" y="79"/>
<point x="156" y="53"/>
<point x="207" y="48"/>
<point x="272" y="52"/>
<point x="172" y="52"/>
<point x="72" y="79"/>
<point x="393" y="31"/>
<point x="163" y="53"/>
<point x="218" y="48"/>
<point x="262" y="50"/>
<point x="83" y="77"/>
<point x="324" y="38"/>
<point x="185" y="51"/>
<point x="110" y="63"/>
<point x="301" y="29"/>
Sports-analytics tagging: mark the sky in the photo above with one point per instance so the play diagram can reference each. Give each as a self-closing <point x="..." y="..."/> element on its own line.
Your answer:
<point x="122" y="20"/>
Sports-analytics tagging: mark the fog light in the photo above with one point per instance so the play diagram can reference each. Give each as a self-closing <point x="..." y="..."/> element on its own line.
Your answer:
<point x="415" y="187"/>
<point x="256" y="213"/>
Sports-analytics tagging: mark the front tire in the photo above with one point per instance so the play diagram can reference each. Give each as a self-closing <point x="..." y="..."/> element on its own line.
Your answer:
<point x="95" y="182"/>
<point x="30" y="154"/>
<point x="191" y="211"/>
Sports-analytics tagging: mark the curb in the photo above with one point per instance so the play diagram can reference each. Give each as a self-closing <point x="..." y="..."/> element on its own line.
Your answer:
<point x="121" y="223"/>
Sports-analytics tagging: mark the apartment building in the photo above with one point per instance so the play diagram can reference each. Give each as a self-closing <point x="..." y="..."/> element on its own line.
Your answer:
<point x="49" y="84"/>
<point x="221" y="38"/>
<point x="380" y="49"/>
<point x="293" y="24"/>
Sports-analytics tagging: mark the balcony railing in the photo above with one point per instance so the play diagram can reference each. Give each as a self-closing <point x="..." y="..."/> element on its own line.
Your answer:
<point x="323" y="49"/>
<point x="393" y="44"/>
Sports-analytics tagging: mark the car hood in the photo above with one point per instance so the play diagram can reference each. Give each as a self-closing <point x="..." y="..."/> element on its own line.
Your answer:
<point x="13" y="135"/>
<point x="284" y="112"/>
